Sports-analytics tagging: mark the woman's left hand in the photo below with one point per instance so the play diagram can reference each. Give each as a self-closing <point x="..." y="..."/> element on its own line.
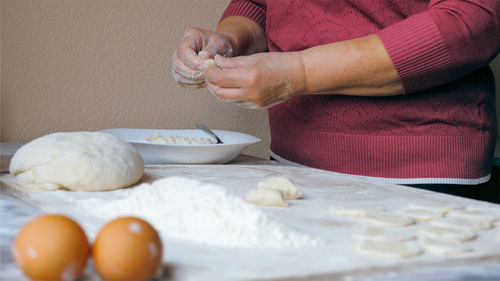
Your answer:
<point x="259" y="80"/>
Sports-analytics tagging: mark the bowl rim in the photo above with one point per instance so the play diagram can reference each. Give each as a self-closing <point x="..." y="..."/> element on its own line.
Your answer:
<point x="255" y="139"/>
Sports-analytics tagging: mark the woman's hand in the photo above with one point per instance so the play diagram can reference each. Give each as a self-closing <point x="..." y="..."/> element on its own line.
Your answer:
<point x="198" y="45"/>
<point x="259" y="80"/>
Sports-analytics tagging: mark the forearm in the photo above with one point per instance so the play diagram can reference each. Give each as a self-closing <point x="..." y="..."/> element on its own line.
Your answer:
<point x="359" y="67"/>
<point x="248" y="36"/>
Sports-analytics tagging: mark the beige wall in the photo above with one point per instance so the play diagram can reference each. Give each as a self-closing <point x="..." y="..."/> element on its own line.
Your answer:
<point x="69" y="65"/>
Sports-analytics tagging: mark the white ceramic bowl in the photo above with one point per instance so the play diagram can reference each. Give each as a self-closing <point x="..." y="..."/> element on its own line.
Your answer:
<point x="159" y="153"/>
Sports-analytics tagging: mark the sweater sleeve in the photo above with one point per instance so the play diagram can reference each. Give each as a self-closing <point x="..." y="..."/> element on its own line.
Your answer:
<point x="445" y="42"/>
<point x="254" y="10"/>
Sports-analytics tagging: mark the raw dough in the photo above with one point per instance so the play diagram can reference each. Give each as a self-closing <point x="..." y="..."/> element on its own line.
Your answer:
<point x="388" y="219"/>
<point x="436" y="206"/>
<point x="352" y="211"/>
<point x="378" y="233"/>
<point x="443" y="248"/>
<point x="283" y="185"/>
<point x="447" y="234"/>
<point x="473" y="215"/>
<point x="210" y="63"/>
<point x="86" y="161"/>
<point x="460" y="223"/>
<point x="389" y="249"/>
<point x="421" y="214"/>
<point x="266" y="197"/>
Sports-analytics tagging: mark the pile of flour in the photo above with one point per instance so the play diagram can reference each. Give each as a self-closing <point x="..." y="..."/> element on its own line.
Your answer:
<point x="203" y="213"/>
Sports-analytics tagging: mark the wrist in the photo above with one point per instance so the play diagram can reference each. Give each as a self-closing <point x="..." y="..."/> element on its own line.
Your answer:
<point x="299" y="77"/>
<point x="246" y="35"/>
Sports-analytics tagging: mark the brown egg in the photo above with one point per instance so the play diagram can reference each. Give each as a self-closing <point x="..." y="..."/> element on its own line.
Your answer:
<point x="51" y="247"/>
<point x="127" y="248"/>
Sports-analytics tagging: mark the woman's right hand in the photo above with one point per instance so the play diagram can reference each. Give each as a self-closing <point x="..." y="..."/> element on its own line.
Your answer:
<point x="198" y="45"/>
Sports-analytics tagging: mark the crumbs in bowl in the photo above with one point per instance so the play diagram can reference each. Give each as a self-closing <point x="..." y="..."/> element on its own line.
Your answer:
<point x="159" y="138"/>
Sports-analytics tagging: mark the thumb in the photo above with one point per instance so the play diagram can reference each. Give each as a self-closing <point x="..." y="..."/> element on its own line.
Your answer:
<point x="204" y="54"/>
<point x="212" y="48"/>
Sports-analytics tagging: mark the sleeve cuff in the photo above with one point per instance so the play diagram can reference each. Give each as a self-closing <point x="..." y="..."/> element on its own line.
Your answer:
<point x="418" y="52"/>
<point x="248" y="9"/>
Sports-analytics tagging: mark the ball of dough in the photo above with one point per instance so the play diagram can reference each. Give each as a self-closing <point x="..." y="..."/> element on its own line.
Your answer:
<point x="266" y="197"/>
<point x="86" y="161"/>
<point x="210" y="63"/>
<point x="283" y="185"/>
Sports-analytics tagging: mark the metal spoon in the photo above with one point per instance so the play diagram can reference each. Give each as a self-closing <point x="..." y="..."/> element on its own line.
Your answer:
<point x="205" y="129"/>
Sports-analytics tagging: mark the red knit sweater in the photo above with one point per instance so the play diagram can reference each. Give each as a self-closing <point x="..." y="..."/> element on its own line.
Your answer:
<point x="441" y="130"/>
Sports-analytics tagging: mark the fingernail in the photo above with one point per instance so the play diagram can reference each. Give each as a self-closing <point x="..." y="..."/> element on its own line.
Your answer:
<point x="204" y="54"/>
<point x="219" y="60"/>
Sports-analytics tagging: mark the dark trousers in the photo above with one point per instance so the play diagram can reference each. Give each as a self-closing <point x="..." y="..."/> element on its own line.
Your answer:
<point x="489" y="191"/>
<point x="484" y="192"/>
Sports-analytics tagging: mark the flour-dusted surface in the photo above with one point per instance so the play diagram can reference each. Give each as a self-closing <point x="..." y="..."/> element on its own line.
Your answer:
<point x="199" y="213"/>
<point x="335" y="259"/>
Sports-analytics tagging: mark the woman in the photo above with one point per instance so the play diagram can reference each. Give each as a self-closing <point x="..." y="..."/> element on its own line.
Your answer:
<point x="394" y="90"/>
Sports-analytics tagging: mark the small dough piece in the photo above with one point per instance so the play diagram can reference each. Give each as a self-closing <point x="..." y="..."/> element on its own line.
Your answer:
<point x="460" y="223"/>
<point x="284" y="185"/>
<point x="473" y="215"/>
<point x="266" y="197"/>
<point x="389" y="249"/>
<point x="422" y="214"/>
<point x="80" y="161"/>
<point x="352" y="211"/>
<point x="388" y="219"/>
<point x="378" y="233"/>
<point x="447" y="234"/>
<point x="446" y="248"/>
<point x="436" y="206"/>
<point x="210" y="63"/>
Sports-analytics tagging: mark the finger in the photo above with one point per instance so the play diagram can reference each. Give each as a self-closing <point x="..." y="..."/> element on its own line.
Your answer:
<point x="188" y="49"/>
<point x="204" y="54"/>
<point x="234" y="62"/>
<point x="228" y="78"/>
<point x="182" y="79"/>
<point x="180" y="68"/>
<point x="217" y="45"/>
<point x="228" y="94"/>
<point x="192" y="86"/>
<point x="248" y="105"/>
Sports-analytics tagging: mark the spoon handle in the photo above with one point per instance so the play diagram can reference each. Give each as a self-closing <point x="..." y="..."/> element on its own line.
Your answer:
<point x="205" y="129"/>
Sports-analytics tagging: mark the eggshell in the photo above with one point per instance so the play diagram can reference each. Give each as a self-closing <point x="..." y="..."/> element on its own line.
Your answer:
<point x="51" y="247"/>
<point x="127" y="248"/>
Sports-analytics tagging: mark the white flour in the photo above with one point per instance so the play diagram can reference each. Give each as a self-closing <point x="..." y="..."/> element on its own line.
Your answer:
<point x="204" y="213"/>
